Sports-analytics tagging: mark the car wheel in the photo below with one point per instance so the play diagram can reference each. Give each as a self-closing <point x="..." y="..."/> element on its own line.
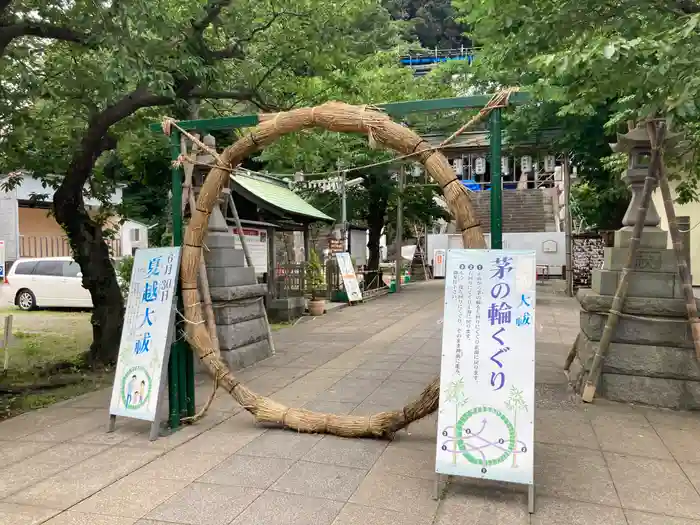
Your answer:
<point x="26" y="300"/>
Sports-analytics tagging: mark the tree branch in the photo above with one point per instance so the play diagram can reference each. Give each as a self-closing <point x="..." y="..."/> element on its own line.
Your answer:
<point x="211" y="13"/>
<point x="689" y="7"/>
<point x="4" y="4"/>
<point x="235" y="50"/>
<point x="8" y="33"/>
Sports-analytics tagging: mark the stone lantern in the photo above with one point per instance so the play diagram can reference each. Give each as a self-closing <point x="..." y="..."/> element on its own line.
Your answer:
<point x="637" y="145"/>
<point x="651" y="358"/>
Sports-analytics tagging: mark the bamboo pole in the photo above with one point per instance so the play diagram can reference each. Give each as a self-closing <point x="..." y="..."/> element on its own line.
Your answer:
<point x="683" y="269"/>
<point x="621" y="292"/>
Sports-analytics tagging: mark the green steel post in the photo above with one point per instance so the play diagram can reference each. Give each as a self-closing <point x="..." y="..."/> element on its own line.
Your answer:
<point x="181" y="350"/>
<point x="496" y="184"/>
<point x="174" y="373"/>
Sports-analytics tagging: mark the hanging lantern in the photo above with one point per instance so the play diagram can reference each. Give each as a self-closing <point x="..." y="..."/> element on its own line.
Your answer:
<point x="480" y="165"/>
<point x="459" y="167"/>
<point x="526" y="164"/>
<point x="416" y="171"/>
<point x="505" y="166"/>
<point x="549" y="163"/>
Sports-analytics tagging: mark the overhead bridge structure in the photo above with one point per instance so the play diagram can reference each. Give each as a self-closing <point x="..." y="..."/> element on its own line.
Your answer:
<point x="423" y="62"/>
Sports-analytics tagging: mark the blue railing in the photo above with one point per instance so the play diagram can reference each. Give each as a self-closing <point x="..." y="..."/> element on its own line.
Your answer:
<point x="438" y="56"/>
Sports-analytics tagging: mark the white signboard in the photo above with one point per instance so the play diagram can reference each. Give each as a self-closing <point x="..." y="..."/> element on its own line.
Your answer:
<point x="487" y="381"/>
<point x="352" y="287"/>
<point x="3" y="270"/>
<point x="147" y="334"/>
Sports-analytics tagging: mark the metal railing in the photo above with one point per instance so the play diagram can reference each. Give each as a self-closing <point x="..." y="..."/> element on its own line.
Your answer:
<point x="56" y="246"/>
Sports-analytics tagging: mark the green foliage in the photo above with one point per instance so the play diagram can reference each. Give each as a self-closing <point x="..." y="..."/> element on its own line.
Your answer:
<point x="638" y="59"/>
<point x="432" y="23"/>
<point x="124" y="268"/>
<point x="315" y="281"/>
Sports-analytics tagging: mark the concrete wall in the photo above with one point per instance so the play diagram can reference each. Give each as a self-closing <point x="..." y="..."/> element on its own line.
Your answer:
<point x="37" y="222"/>
<point x="9" y="227"/>
<point x="692" y="210"/>
<point x="133" y="235"/>
<point x="550" y="246"/>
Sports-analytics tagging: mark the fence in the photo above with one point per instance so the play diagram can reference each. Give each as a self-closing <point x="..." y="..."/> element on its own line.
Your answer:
<point x="290" y="280"/>
<point x="39" y="247"/>
<point x="586" y="255"/>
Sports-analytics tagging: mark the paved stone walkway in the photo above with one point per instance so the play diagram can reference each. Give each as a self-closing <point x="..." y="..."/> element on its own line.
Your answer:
<point x="601" y="464"/>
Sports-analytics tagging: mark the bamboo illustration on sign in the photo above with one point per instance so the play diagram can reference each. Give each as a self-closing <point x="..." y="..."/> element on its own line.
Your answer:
<point x="515" y="403"/>
<point x="455" y="394"/>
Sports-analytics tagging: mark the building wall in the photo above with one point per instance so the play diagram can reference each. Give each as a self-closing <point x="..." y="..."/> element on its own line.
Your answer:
<point x="37" y="222"/>
<point x="132" y="241"/>
<point x="9" y="228"/>
<point x="691" y="210"/>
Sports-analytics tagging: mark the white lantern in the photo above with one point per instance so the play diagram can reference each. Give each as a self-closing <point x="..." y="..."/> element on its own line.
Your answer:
<point x="526" y="164"/>
<point x="480" y="165"/>
<point x="549" y="163"/>
<point x="459" y="167"/>
<point x="417" y="171"/>
<point x="505" y="166"/>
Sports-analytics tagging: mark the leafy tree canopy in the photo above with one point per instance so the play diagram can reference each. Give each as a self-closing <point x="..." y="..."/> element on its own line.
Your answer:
<point x="637" y="58"/>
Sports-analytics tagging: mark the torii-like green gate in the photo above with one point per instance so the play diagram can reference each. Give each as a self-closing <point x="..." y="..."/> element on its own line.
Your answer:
<point x="181" y="364"/>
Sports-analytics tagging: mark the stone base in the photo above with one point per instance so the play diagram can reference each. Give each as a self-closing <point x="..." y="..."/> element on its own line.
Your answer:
<point x="660" y="331"/>
<point x="286" y="310"/>
<point x="659" y="376"/>
<point x="647" y="260"/>
<point x="591" y="301"/>
<point x="641" y="284"/>
<point x="652" y="237"/>
<point x="247" y="355"/>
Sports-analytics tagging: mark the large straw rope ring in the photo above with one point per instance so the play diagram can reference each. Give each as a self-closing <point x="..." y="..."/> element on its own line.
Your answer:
<point x="333" y="116"/>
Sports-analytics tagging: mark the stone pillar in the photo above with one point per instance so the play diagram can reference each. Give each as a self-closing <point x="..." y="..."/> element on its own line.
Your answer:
<point x="235" y="292"/>
<point x="651" y="358"/>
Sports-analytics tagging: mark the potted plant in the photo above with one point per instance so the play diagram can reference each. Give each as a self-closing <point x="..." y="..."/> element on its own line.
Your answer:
<point x="315" y="285"/>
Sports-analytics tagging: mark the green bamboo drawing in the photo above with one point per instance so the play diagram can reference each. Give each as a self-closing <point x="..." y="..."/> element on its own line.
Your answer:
<point x="455" y="394"/>
<point x="515" y="403"/>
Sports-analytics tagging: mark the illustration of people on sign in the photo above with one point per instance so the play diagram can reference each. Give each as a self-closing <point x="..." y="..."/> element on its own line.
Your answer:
<point x="130" y="391"/>
<point x="136" y="388"/>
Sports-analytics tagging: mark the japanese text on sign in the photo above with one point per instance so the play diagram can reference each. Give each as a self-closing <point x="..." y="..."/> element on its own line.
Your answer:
<point x="144" y="347"/>
<point x="485" y="421"/>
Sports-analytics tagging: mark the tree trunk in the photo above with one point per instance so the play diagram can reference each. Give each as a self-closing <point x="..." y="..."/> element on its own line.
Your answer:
<point x="375" y="222"/>
<point x="99" y="278"/>
<point x="85" y="235"/>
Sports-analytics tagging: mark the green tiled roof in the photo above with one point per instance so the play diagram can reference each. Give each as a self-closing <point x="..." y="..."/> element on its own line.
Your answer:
<point x="276" y="197"/>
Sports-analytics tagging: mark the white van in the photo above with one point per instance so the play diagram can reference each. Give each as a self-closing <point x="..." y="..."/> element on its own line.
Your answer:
<point x="48" y="282"/>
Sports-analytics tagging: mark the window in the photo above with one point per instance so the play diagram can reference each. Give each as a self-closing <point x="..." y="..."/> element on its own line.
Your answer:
<point x="25" y="268"/>
<point x="135" y="234"/>
<point x="71" y="269"/>
<point x="52" y="268"/>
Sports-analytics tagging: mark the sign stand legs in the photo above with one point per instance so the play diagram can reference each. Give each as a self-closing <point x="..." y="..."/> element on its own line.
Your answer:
<point x="531" y="498"/>
<point x="157" y="414"/>
<point x="440" y="484"/>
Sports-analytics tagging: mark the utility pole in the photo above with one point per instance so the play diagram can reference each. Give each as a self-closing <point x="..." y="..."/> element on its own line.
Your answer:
<point x="496" y="185"/>
<point x="568" y="228"/>
<point x="343" y="208"/>
<point x="399" y="226"/>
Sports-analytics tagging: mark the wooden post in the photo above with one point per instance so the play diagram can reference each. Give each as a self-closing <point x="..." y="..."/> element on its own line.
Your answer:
<point x="6" y="340"/>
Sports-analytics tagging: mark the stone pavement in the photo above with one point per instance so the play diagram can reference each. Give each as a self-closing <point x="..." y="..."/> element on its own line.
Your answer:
<point x="603" y="464"/>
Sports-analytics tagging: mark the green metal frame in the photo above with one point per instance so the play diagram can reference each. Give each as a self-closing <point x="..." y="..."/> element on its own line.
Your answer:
<point x="181" y="364"/>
